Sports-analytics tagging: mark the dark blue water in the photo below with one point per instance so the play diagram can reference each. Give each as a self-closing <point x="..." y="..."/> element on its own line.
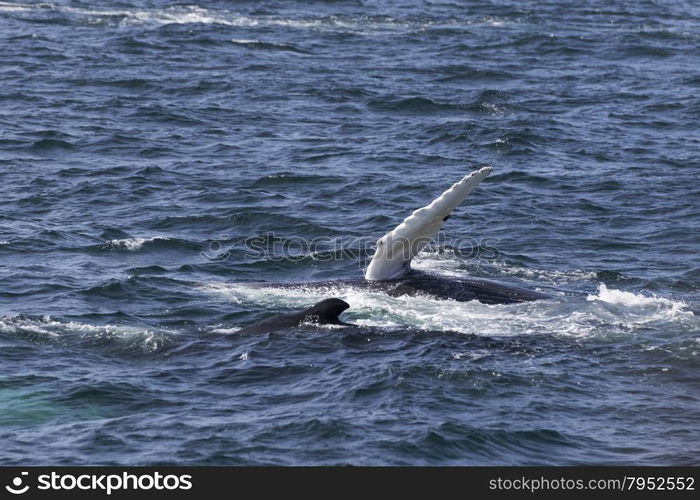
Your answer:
<point x="143" y="142"/>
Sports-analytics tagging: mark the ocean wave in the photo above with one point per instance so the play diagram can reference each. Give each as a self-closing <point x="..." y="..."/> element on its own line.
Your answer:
<point x="139" y="244"/>
<point x="415" y="105"/>
<point x="128" y="244"/>
<point x="287" y="179"/>
<point x="634" y="301"/>
<point x="193" y="14"/>
<point x="448" y="262"/>
<point x="260" y="44"/>
<point x="46" y="329"/>
<point x="19" y="7"/>
<point x="48" y="144"/>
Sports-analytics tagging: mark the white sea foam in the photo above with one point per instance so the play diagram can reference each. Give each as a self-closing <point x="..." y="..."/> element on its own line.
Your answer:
<point x="570" y="316"/>
<point x="48" y="328"/>
<point x="447" y="264"/>
<point x="632" y="299"/>
<point x="130" y="244"/>
<point x="192" y="14"/>
<point x="544" y="275"/>
<point x="608" y="312"/>
<point x="17" y="7"/>
<point x="225" y="331"/>
<point x="641" y="309"/>
<point x="244" y="41"/>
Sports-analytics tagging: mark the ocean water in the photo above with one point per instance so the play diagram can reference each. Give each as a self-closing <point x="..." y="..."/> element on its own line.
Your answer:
<point x="143" y="143"/>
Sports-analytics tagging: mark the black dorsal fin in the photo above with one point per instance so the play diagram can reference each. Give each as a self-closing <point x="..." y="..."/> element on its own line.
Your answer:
<point x="326" y="311"/>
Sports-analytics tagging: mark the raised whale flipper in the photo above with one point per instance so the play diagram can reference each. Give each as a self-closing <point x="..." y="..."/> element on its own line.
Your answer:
<point x="325" y="312"/>
<point x="396" y="249"/>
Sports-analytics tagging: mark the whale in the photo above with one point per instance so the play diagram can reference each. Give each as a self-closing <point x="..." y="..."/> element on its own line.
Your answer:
<point x="389" y="270"/>
<point x="325" y="312"/>
<point x="419" y="283"/>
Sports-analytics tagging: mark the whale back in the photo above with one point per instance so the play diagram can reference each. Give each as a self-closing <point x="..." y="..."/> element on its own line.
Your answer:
<point x="325" y="312"/>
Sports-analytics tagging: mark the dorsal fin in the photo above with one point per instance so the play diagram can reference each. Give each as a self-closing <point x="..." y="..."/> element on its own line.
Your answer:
<point x="326" y="311"/>
<point x="323" y="313"/>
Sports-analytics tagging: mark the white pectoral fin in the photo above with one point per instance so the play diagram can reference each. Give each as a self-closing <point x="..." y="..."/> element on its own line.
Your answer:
<point x="396" y="249"/>
<point x="428" y="220"/>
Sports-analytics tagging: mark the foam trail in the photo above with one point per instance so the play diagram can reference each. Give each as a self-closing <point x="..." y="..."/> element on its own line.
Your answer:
<point x="131" y="244"/>
<point x="447" y="263"/>
<point x="632" y="299"/>
<point x="567" y="316"/>
<point x="192" y="14"/>
<point x="47" y="328"/>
